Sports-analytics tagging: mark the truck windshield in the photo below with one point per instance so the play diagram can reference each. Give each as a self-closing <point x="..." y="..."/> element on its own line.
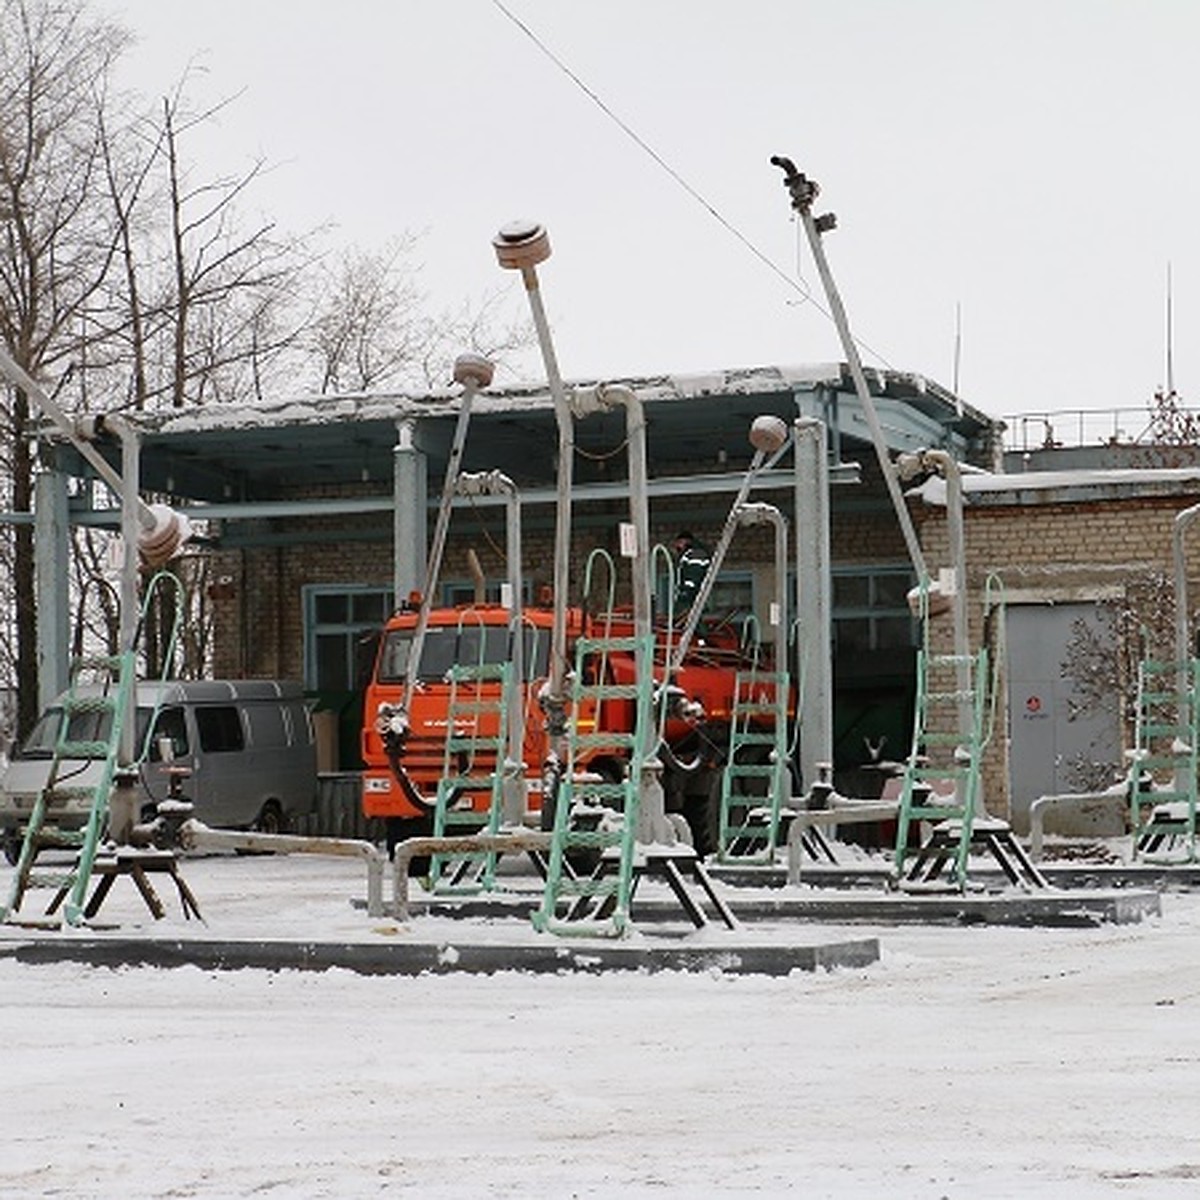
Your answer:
<point x="472" y="645"/>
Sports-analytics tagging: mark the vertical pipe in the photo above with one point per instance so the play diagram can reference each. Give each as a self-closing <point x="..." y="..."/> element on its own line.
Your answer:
<point x="130" y="527"/>
<point x="51" y="545"/>
<point x="950" y="471"/>
<point x="758" y="514"/>
<point x="639" y="515"/>
<point x="813" y="598"/>
<point x="512" y="541"/>
<point x="496" y="483"/>
<point x="1183" y="650"/>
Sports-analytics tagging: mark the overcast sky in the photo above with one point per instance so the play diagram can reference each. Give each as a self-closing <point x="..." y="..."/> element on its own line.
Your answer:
<point x="1031" y="163"/>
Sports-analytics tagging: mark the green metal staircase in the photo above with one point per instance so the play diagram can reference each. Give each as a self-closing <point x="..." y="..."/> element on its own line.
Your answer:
<point x="99" y="700"/>
<point x="597" y="814"/>
<point x="755" y="775"/>
<point x="474" y="762"/>
<point x="1163" y="777"/>
<point x="947" y="747"/>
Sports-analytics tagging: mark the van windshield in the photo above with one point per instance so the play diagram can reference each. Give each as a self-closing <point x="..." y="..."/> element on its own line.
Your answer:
<point x="472" y="645"/>
<point x="85" y="727"/>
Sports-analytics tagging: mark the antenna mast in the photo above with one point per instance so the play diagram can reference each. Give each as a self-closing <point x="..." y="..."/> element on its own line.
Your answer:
<point x="957" y="343"/>
<point x="1170" y="339"/>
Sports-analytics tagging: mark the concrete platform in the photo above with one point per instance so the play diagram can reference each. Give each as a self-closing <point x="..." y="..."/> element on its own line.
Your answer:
<point x="1068" y="876"/>
<point x="1049" y="908"/>
<point x="724" y="954"/>
<point x="1053" y="908"/>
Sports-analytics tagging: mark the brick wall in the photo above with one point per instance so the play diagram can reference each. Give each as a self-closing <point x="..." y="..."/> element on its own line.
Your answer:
<point x="1047" y="552"/>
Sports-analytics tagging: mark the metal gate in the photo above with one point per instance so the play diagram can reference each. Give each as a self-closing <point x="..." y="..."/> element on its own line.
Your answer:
<point x="1063" y="736"/>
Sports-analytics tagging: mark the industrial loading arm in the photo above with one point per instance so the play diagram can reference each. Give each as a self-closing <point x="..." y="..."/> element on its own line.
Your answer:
<point x="392" y="721"/>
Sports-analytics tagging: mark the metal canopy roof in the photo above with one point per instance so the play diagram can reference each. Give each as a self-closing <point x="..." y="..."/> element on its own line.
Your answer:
<point x="274" y="451"/>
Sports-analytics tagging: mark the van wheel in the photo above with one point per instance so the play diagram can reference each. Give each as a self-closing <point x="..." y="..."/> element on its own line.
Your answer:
<point x="271" y="819"/>
<point x="12" y="849"/>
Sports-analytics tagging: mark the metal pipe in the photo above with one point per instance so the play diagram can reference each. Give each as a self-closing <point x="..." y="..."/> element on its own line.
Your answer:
<point x="653" y="825"/>
<point x="480" y="483"/>
<point x="521" y="245"/>
<point x="1040" y="806"/>
<point x="122" y="801"/>
<point x="803" y="192"/>
<point x="814" y="601"/>
<point x="947" y="466"/>
<point x="129" y="538"/>
<point x="473" y="373"/>
<point x="840" y="811"/>
<point x="154" y="529"/>
<point x="606" y="397"/>
<point x="70" y="429"/>
<point x="769" y="436"/>
<point x="526" y="840"/>
<point x="1183" y="649"/>
<point x="757" y="513"/>
<point x="639" y="502"/>
<point x="1182" y="616"/>
<point x="195" y="835"/>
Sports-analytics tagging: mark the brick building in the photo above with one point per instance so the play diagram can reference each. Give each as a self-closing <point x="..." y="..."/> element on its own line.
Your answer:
<point x="314" y="515"/>
<point x="1070" y="582"/>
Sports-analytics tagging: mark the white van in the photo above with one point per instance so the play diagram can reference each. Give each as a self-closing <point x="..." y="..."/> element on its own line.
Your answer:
<point x="247" y="743"/>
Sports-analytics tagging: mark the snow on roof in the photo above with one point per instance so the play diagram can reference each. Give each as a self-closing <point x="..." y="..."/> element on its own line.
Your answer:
<point x="388" y="406"/>
<point x="1049" y="486"/>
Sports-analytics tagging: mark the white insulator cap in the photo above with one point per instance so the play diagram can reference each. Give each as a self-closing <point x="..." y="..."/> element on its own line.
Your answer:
<point x="936" y="601"/>
<point x="473" y="368"/>
<point x="169" y="531"/>
<point x="768" y="433"/>
<point x="522" y="244"/>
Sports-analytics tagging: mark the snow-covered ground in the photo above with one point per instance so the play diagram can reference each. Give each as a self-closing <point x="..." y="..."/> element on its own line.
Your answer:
<point x="969" y="1062"/>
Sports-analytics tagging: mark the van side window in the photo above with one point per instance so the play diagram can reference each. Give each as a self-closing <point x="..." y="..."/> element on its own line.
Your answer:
<point x="267" y="729"/>
<point x="170" y="724"/>
<point x="219" y="727"/>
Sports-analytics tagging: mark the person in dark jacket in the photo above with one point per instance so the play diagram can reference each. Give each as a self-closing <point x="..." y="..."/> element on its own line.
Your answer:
<point x="692" y="563"/>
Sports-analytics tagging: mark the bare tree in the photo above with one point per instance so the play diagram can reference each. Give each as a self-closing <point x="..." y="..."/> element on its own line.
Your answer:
<point x="57" y="241"/>
<point x="370" y="327"/>
<point x="227" y="307"/>
<point x="366" y="328"/>
<point x="1102" y="663"/>
<point x="129" y="279"/>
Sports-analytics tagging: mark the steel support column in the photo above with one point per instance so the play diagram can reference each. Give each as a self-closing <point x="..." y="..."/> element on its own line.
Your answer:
<point x="409" y="510"/>
<point x="814" y="608"/>
<point x="51" y="551"/>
